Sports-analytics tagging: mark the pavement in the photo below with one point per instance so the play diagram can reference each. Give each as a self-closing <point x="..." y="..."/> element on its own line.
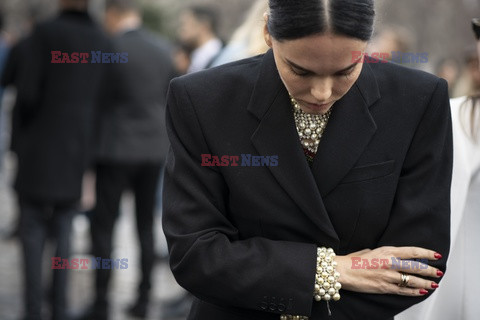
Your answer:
<point x="80" y="293"/>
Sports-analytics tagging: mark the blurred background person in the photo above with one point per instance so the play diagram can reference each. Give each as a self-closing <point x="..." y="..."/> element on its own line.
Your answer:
<point x="247" y="40"/>
<point x="391" y="39"/>
<point x="53" y="143"/>
<point x="182" y="54"/>
<point x="469" y="79"/>
<point x="132" y="145"/>
<point x="4" y="47"/>
<point x="198" y="29"/>
<point x="15" y="65"/>
<point x="457" y="297"/>
<point x="448" y="69"/>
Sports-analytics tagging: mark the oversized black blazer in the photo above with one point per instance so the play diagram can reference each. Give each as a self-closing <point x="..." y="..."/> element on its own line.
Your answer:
<point x="243" y="239"/>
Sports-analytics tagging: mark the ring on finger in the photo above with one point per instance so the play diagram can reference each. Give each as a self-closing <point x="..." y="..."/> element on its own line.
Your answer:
<point x="405" y="278"/>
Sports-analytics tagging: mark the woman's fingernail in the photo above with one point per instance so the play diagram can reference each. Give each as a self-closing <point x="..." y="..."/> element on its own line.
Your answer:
<point x="434" y="285"/>
<point x="439" y="273"/>
<point x="423" y="291"/>
<point x="437" y="255"/>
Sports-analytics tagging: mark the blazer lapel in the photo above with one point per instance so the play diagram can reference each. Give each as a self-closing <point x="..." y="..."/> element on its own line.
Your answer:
<point x="348" y="132"/>
<point x="277" y="135"/>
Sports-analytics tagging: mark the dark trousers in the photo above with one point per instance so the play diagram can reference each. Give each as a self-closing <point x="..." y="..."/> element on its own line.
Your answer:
<point x="39" y="222"/>
<point x="112" y="179"/>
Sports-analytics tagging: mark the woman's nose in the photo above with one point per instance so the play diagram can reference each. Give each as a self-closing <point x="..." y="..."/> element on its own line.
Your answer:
<point x="322" y="89"/>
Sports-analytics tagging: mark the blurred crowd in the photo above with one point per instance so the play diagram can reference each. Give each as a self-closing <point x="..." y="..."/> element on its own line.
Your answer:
<point x="84" y="133"/>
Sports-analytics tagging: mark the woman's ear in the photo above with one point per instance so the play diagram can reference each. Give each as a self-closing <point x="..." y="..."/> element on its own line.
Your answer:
<point x="266" y="33"/>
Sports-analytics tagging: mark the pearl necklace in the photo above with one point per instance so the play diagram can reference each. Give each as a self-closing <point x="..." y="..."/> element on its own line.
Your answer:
<point x="310" y="127"/>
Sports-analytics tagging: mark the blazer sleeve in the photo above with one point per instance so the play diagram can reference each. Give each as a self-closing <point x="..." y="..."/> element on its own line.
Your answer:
<point x="420" y="215"/>
<point x="207" y="256"/>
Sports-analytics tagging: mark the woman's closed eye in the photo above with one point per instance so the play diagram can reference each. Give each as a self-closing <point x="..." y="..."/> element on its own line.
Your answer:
<point x="300" y="73"/>
<point x="345" y="73"/>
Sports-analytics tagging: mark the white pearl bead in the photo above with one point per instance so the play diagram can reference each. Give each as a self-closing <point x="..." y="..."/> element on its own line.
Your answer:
<point x="338" y="286"/>
<point x="327" y="297"/>
<point x="336" y="297"/>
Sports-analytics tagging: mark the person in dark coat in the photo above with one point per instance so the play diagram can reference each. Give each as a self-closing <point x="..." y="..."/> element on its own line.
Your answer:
<point x="132" y="144"/>
<point x="292" y="175"/>
<point x="57" y="99"/>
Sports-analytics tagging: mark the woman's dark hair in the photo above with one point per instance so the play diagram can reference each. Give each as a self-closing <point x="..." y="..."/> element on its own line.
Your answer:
<point x="293" y="19"/>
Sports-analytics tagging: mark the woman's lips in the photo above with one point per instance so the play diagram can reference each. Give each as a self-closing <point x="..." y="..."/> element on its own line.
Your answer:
<point x="316" y="107"/>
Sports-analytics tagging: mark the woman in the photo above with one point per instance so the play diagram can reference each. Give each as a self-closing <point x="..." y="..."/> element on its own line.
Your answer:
<point x="246" y="230"/>
<point x="463" y="277"/>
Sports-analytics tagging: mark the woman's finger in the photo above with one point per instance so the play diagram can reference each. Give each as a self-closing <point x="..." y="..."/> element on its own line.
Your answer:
<point x="412" y="281"/>
<point x="414" y="253"/>
<point x="411" y="292"/>
<point x="415" y="267"/>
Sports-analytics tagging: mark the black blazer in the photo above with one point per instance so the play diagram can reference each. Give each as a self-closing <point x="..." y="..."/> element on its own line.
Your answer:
<point x="57" y="105"/>
<point x="132" y="123"/>
<point x="243" y="239"/>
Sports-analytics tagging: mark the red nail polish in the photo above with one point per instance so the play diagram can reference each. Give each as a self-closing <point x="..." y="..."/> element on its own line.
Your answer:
<point x="423" y="291"/>
<point x="437" y="255"/>
<point x="434" y="285"/>
<point x="439" y="273"/>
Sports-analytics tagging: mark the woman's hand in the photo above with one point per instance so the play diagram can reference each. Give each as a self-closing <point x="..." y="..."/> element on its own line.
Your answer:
<point x="380" y="271"/>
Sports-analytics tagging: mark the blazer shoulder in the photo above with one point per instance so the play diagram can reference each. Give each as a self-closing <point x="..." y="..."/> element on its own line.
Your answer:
<point x="405" y="77"/>
<point x="410" y="88"/>
<point x="238" y="74"/>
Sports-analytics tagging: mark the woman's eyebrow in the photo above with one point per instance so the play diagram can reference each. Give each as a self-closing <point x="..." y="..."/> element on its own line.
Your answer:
<point x="293" y="64"/>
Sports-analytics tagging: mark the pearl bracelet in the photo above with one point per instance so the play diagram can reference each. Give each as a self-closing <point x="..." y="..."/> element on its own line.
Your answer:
<point x="326" y="284"/>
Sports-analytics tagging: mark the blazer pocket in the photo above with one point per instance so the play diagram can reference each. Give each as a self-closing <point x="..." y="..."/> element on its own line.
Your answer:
<point x="369" y="172"/>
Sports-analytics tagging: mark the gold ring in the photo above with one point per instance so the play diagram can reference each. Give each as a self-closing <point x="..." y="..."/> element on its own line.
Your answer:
<point x="404" y="280"/>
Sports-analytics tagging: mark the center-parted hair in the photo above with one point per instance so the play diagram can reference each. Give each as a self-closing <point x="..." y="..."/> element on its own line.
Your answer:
<point x="294" y="19"/>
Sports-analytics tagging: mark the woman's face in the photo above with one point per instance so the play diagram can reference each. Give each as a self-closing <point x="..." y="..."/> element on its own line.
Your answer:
<point x="317" y="70"/>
